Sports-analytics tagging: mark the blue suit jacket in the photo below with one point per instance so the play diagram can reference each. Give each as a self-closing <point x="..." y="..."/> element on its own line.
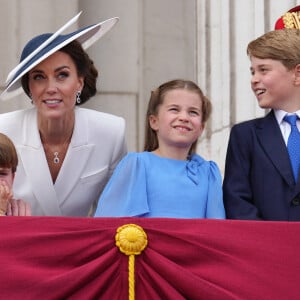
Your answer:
<point x="258" y="181"/>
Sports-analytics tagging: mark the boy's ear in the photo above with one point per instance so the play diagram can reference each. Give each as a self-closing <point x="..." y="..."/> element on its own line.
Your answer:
<point x="297" y="75"/>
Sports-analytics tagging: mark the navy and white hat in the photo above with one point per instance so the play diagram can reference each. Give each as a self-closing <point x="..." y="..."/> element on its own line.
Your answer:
<point x="42" y="46"/>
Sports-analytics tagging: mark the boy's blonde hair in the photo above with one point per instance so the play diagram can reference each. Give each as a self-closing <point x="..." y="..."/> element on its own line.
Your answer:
<point x="8" y="153"/>
<point x="282" y="45"/>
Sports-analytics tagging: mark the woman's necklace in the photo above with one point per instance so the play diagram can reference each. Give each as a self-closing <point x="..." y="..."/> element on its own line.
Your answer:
<point x="55" y="152"/>
<point x="62" y="152"/>
<point x="56" y="158"/>
<point x="58" y="152"/>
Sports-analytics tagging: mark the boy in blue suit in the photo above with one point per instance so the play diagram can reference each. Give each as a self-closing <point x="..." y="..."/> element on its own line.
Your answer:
<point x="259" y="183"/>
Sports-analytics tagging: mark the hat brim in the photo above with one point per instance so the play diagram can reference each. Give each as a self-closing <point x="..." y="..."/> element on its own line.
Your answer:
<point x="87" y="37"/>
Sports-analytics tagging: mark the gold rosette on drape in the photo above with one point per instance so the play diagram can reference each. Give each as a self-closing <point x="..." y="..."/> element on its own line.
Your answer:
<point x="131" y="240"/>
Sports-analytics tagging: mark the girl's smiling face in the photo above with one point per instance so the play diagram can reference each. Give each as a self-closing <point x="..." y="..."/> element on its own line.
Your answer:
<point x="178" y="122"/>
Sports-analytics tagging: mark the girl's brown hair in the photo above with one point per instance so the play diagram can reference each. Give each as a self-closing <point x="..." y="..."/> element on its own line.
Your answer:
<point x="157" y="98"/>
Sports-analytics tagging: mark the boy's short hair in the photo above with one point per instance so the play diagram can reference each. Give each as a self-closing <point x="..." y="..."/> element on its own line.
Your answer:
<point x="282" y="45"/>
<point x="8" y="153"/>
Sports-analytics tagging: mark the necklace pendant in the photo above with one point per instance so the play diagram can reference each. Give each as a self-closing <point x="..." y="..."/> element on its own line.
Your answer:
<point x="56" y="158"/>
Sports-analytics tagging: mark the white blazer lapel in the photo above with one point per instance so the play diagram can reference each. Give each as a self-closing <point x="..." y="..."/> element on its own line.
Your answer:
<point x="36" y="166"/>
<point x="72" y="167"/>
<point x="78" y="153"/>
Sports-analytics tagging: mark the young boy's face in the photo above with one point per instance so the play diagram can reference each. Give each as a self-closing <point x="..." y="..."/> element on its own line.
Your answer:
<point x="273" y="84"/>
<point x="7" y="175"/>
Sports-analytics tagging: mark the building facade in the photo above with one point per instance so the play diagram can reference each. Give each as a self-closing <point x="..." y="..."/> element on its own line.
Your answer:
<point x="155" y="41"/>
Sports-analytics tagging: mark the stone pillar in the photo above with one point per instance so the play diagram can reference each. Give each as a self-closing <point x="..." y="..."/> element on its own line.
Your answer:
<point x="116" y="56"/>
<point x="153" y="42"/>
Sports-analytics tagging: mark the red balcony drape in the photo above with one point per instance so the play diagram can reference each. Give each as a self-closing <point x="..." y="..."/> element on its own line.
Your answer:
<point x="76" y="258"/>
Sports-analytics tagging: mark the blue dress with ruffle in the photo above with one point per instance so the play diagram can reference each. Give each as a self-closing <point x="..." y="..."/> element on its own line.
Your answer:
<point x="146" y="185"/>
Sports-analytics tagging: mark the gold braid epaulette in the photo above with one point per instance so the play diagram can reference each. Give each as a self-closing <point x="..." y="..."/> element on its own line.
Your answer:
<point x="131" y="239"/>
<point x="291" y="20"/>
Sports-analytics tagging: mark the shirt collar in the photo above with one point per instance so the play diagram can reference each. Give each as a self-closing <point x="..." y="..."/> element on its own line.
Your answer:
<point x="280" y="114"/>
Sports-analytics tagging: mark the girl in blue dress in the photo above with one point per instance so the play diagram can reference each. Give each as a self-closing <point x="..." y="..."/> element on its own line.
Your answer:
<point x="168" y="179"/>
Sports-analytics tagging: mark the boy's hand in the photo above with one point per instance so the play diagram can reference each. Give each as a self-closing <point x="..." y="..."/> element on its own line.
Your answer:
<point x="5" y="197"/>
<point x="18" y="208"/>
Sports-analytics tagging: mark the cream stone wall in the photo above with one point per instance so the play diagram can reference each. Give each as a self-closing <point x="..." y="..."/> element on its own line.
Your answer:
<point x="155" y="41"/>
<point x="225" y="27"/>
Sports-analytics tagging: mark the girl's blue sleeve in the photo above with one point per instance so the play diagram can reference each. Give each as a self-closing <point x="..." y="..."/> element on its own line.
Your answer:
<point x="215" y="206"/>
<point x="125" y="193"/>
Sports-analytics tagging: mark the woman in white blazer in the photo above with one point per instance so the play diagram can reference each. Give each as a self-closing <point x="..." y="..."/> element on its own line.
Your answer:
<point x="66" y="153"/>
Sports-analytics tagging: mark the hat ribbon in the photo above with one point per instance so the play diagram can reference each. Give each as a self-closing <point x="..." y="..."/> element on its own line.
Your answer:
<point x="44" y="44"/>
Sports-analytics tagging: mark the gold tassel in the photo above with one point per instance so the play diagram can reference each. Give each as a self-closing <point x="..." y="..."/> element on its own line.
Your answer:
<point x="131" y="240"/>
<point x="291" y="20"/>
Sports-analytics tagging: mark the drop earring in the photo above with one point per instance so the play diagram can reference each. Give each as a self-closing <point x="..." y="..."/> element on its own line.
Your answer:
<point x="78" y="100"/>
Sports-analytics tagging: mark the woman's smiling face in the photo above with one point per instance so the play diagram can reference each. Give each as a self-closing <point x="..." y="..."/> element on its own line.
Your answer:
<point x="53" y="85"/>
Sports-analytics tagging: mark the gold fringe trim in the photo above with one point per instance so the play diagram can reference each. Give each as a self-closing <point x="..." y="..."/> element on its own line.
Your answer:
<point x="131" y="240"/>
<point x="291" y="20"/>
